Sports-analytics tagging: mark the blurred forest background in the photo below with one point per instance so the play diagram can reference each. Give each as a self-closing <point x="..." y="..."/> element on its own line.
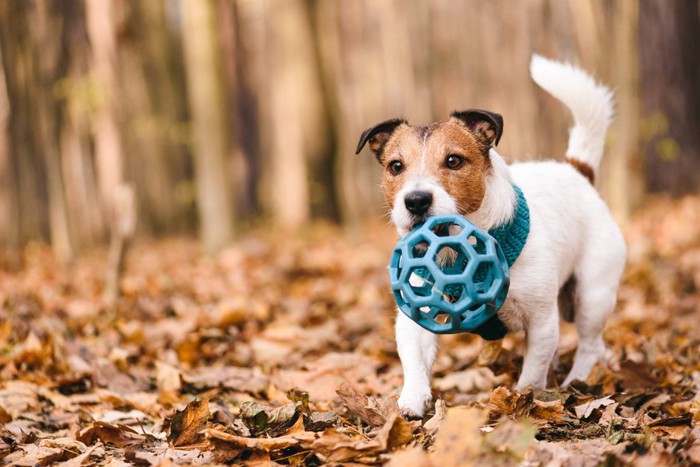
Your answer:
<point x="205" y="116"/>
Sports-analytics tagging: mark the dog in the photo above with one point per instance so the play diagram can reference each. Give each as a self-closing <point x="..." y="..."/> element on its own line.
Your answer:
<point x="574" y="252"/>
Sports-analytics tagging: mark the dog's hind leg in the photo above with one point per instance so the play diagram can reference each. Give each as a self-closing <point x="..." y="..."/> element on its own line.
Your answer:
<point x="591" y="313"/>
<point x="596" y="294"/>
<point x="542" y="336"/>
<point x="417" y="348"/>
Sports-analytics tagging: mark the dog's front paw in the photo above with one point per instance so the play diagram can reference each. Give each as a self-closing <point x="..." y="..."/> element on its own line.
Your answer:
<point x="412" y="403"/>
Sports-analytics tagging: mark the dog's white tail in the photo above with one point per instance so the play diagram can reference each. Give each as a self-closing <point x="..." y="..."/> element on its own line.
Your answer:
<point x="590" y="103"/>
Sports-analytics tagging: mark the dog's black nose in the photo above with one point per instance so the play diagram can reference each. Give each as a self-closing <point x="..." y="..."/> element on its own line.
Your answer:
<point x="418" y="202"/>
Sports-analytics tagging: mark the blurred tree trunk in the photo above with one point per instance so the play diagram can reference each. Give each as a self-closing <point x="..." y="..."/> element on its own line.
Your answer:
<point x="150" y="81"/>
<point x="34" y="59"/>
<point x="289" y="108"/>
<point x="8" y="187"/>
<point x="206" y="99"/>
<point x="241" y="99"/>
<point x="46" y="29"/>
<point x="102" y="20"/>
<point x="25" y="165"/>
<point x="74" y="93"/>
<point x="324" y="130"/>
<point x="670" y="34"/>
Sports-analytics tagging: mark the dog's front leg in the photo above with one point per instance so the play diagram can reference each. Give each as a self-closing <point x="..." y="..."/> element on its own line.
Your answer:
<point x="417" y="348"/>
<point x="542" y="341"/>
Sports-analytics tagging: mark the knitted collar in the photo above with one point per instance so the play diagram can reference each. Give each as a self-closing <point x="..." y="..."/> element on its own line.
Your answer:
<point x="511" y="236"/>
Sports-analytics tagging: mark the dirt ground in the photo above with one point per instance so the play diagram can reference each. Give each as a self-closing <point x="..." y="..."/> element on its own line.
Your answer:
<point x="280" y="350"/>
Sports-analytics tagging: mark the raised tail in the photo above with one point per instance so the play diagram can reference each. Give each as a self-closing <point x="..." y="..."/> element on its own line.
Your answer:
<point x="590" y="103"/>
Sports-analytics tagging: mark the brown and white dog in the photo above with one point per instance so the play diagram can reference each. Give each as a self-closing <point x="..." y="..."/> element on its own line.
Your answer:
<point x="574" y="244"/>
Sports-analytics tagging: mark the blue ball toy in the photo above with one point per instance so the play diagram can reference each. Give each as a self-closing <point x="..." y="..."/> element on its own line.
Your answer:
<point x="449" y="276"/>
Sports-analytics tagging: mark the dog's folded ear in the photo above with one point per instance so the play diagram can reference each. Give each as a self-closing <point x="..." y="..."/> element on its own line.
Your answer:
<point x="378" y="135"/>
<point x="485" y="124"/>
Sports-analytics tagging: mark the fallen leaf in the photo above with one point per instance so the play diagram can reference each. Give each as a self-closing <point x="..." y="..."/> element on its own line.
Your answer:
<point x="585" y="410"/>
<point x="551" y="411"/>
<point x="510" y="441"/>
<point x="261" y="418"/>
<point x="396" y="432"/>
<point x="413" y="457"/>
<point x="84" y="459"/>
<point x="459" y="440"/>
<point x="240" y="379"/>
<point x="32" y="455"/>
<point x="490" y="350"/>
<point x="187" y="424"/>
<point x="302" y="439"/>
<point x="335" y="446"/>
<point x="18" y="398"/>
<point x="367" y="408"/>
<point x="168" y="382"/>
<point x="4" y="416"/>
<point x="470" y="380"/>
<point x="436" y="421"/>
<point x="319" y="421"/>
<point x="115" y="434"/>
<point x="504" y="402"/>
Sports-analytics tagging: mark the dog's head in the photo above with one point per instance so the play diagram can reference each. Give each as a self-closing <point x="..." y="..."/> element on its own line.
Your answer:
<point x="440" y="168"/>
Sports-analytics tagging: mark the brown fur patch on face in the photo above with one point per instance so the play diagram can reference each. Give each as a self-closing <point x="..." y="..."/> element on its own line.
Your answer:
<point x="466" y="185"/>
<point x="583" y="168"/>
<point x="423" y="152"/>
<point x="404" y="146"/>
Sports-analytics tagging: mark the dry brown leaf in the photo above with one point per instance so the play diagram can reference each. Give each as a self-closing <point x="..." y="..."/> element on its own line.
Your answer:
<point x="168" y="382"/>
<point x="396" y="432"/>
<point x="32" y="455"/>
<point x="19" y="397"/>
<point x="32" y="352"/>
<point x="187" y="424"/>
<point x="509" y="442"/>
<point x="412" y="457"/>
<point x="261" y="418"/>
<point x="490" y="350"/>
<point x="504" y="402"/>
<point x="674" y="433"/>
<point x="84" y="458"/>
<point x="436" y="421"/>
<point x="4" y="416"/>
<point x="551" y="411"/>
<point x="335" y="446"/>
<point x="115" y="434"/>
<point x="585" y="410"/>
<point x="470" y="380"/>
<point x="302" y="439"/>
<point x="240" y="379"/>
<point x="459" y="440"/>
<point x="365" y="407"/>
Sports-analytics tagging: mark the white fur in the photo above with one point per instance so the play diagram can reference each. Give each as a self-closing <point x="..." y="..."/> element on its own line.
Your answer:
<point x="589" y="102"/>
<point x="571" y="233"/>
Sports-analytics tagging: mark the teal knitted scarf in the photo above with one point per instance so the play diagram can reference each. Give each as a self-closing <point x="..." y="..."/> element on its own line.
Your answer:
<point x="513" y="234"/>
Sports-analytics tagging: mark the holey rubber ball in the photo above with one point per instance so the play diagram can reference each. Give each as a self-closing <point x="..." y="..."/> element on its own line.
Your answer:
<point x="449" y="276"/>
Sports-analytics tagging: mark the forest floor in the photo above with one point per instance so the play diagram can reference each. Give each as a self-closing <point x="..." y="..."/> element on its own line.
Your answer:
<point x="282" y="351"/>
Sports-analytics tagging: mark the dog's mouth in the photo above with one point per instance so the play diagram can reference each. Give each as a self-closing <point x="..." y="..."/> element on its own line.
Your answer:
<point x="417" y="220"/>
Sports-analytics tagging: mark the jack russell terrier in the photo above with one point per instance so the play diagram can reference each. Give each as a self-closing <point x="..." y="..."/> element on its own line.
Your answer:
<point x="574" y="254"/>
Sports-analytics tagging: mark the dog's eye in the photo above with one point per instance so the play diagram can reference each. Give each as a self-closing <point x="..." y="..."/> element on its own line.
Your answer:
<point x="395" y="167"/>
<point x="454" y="162"/>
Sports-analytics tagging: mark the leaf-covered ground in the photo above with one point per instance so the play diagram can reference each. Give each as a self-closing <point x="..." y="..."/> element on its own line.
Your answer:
<point x="280" y="350"/>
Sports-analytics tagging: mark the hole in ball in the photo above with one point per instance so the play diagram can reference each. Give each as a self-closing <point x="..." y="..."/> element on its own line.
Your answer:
<point x="451" y="259"/>
<point x="420" y="249"/>
<point x="443" y="318"/>
<point x="447" y="229"/>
